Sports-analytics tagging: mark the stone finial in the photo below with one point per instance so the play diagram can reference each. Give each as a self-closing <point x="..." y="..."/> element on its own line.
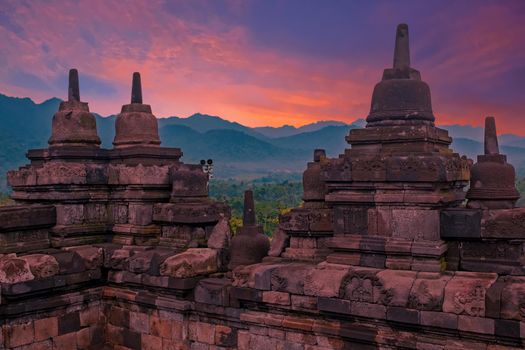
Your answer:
<point x="136" y="89"/>
<point x="74" y="90"/>
<point x="402" y="49"/>
<point x="249" y="210"/>
<point x="491" y="138"/>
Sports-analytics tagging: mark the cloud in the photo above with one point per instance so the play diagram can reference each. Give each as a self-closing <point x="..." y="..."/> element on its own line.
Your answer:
<point x="266" y="62"/>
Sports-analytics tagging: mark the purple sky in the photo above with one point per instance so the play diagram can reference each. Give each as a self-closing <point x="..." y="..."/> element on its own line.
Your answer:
<point x="267" y="62"/>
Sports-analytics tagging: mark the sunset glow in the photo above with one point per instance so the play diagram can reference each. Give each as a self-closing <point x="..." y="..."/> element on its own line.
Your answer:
<point x="267" y="62"/>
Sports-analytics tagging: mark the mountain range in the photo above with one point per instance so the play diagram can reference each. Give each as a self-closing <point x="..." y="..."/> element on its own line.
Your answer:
<point x="237" y="150"/>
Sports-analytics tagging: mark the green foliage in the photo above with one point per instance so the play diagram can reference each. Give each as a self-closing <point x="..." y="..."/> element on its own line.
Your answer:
<point x="520" y="184"/>
<point x="5" y="200"/>
<point x="272" y="198"/>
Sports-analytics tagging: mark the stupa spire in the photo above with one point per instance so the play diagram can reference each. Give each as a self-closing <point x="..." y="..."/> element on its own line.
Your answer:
<point x="74" y="89"/>
<point x="136" y="89"/>
<point x="249" y="209"/>
<point x="402" y="48"/>
<point x="491" y="138"/>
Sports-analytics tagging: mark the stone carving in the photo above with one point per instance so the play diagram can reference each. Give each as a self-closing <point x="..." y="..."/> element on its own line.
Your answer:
<point x="364" y="286"/>
<point x="58" y="173"/>
<point x="121" y="174"/>
<point x="193" y="262"/>
<point x="14" y="270"/>
<point x="471" y="302"/>
<point x="41" y="265"/>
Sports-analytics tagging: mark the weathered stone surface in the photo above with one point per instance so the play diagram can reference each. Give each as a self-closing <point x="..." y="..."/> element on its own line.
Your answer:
<point x="512" y="299"/>
<point x="147" y="261"/>
<point x="397" y="284"/>
<point x="280" y="240"/>
<point x="220" y="235"/>
<point x="325" y="280"/>
<point x="191" y="263"/>
<point x="427" y="291"/>
<point x="19" y="217"/>
<point x="14" y="270"/>
<point x="41" y="265"/>
<point x="465" y="293"/>
<point x="93" y="256"/>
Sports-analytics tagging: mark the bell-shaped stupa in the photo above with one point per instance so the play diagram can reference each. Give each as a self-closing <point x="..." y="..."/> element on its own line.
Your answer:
<point x="250" y="245"/>
<point x="401" y="97"/>
<point x="492" y="181"/>
<point x="73" y="124"/>
<point x="136" y="125"/>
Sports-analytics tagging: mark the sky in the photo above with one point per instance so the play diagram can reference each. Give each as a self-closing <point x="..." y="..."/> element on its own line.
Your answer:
<point x="267" y="62"/>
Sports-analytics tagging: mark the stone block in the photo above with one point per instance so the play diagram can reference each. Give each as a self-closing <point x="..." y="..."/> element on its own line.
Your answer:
<point x="70" y="214"/>
<point x="397" y="284"/>
<point x="334" y="305"/>
<point x="202" y="332"/>
<point x="503" y="224"/>
<point x="84" y="338"/>
<point x="460" y="223"/>
<point x="415" y="224"/>
<point x="140" y="214"/>
<point x="65" y="341"/>
<point x="93" y="256"/>
<point x="147" y="261"/>
<point x="353" y="220"/>
<point x="41" y="265"/>
<point x="507" y="328"/>
<point x="439" y="319"/>
<point x="191" y="263"/>
<point x="220" y="235"/>
<point x="476" y="324"/>
<point x="402" y="315"/>
<point x="302" y="303"/>
<point x="68" y="323"/>
<point x="512" y="299"/>
<point x="69" y="262"/>
<point x="90" y="316"/>
<point x="465" y="293"/>
<point x="290" y="278"/>
<point x="280" y="241"/>
<point x="225" y="336"/>
<point x="139" y="322"/>
<point x="368" y="310"/>
<point x="14" y="270"/>
<point x="212" y="291"/>
<point x="23" y="217"/>
<point x="273" y="297"/>
<point x="95" y="213"/>
<point x="119" y="317"/>
<point x="19" y="334"/>
<point x="325" y="280"/>
<point x="160" y="327"/>
<point x="46" y="328"/>
<point x="427" y="291"/>
<point x="131" y="339"/>
<point x="151" y="342"/>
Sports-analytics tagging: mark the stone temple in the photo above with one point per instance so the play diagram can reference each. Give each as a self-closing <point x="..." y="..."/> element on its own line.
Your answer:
<point x="400" y="243"/>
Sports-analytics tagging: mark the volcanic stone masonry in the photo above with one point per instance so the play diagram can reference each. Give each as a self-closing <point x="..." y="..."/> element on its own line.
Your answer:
<point x="123" y="249"/>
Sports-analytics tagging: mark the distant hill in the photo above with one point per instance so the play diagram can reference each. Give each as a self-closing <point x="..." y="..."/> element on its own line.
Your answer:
<point x="289" y="130"/>
<point x="237" y="150"/>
